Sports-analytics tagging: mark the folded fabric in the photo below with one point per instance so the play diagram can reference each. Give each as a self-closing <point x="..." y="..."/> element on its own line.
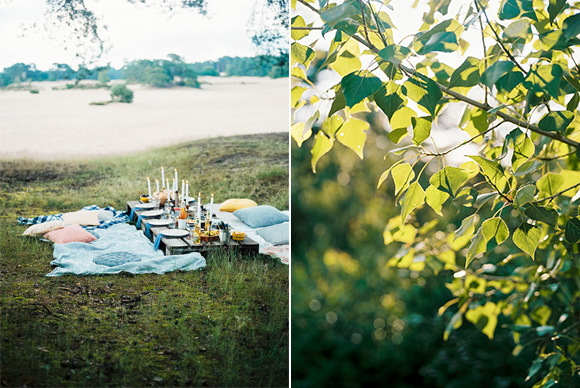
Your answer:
<point x="118" y="218"/>
<point x="120" y="248"/>
<point x="278" y="234"/>
<point x="233" y="204"/>
<point x="82" y="217"/>
<point x="68" y="234"/>
<point x="45" y="227"/>
<point x="259" y="216"/>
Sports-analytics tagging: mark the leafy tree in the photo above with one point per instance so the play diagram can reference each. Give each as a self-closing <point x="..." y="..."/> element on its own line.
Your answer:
<point x="503" y="227"/>
<point x="104" y="76"/>
<point x="121" y="93"/>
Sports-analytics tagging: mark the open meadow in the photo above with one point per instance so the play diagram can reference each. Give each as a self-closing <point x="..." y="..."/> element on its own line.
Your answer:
<point x="223" y="325"/>
<point x="61" y="123"/>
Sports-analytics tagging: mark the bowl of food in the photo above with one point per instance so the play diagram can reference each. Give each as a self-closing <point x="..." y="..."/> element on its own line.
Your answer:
<point x="213" y="235"/>
<point x="238" y="236"/>
<point x="144" y="198"/>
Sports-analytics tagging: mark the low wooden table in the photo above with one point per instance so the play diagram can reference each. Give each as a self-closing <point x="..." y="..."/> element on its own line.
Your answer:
<point x="179" y="246"/>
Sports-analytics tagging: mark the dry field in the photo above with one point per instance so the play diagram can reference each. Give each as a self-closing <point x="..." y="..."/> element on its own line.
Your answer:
<point x="60" y="124"/>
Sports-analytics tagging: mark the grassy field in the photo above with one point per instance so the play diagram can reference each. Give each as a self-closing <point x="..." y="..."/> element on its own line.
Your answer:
<point x="225" y="325"/>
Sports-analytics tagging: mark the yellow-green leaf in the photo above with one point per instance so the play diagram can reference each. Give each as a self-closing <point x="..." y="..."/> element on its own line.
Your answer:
<point x="298" y="21"/>
<point x="550" y="183"/>
<point x="322" y="144"/>
<point x="527" y="237"/>
<point x="424" y="92"/>
<point x="414" y="197"/>
<point x="435" y="199"/>
<point x="484" y="318"/>
<point x="353" y="134"/>
<point x="449" y="179"/>
<point x="421" y="128"/>
<point x="402" y="174"/>
<point x="522" y="152"/>
<point x="556" y="121"/>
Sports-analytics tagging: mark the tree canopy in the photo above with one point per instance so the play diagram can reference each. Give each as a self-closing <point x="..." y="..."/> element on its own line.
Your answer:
<point x="503" y="225"/>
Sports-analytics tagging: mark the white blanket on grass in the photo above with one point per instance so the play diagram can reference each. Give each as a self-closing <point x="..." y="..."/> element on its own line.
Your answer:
<point x="120" y="248"/>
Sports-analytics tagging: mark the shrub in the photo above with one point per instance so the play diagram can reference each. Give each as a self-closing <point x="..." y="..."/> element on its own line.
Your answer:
<point x="121" y="93"/>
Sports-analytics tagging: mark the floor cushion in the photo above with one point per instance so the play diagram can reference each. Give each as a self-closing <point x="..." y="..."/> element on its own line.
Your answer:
<point x="260" y="216"/>
<point x="45" y="227"/>
<point x="70" y="233"/>
<point x="82" y="217"/>
<point x="233" y="204"/>
<point x="278" y="234"/>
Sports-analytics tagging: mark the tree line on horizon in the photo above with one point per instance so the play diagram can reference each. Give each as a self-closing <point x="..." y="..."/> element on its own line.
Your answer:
<point x="154" y="72"/>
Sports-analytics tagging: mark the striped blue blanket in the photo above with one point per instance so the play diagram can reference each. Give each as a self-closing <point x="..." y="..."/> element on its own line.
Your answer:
<point x="118" y="218"/>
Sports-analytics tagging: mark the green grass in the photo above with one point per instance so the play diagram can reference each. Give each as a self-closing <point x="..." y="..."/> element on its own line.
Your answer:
<point x="225" y="325"/>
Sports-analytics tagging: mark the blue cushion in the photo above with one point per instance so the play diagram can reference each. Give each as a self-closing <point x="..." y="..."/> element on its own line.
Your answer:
<point x="278" y="234"/>
<point x="259" y="216"/>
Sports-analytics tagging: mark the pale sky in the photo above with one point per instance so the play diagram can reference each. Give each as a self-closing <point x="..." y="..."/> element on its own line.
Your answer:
<point x="135" y="31"/>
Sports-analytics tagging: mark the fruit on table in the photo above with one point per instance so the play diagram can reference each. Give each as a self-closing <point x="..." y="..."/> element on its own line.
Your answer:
<point x="238" y="236"/>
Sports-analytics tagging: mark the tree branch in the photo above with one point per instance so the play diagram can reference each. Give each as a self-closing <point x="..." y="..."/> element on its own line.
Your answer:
<point x="557" y="194"/>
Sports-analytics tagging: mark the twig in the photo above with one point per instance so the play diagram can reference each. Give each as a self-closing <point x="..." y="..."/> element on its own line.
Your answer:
<point x="551" y="197"/>
<point x="483" y="43"/>
<point x="362" y="11"/>
<point x="306" y="28"/>
<point x="309" y="6"/>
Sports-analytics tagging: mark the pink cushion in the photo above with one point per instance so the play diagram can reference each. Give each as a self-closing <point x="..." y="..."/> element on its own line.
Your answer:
<point x="71" y="233"/>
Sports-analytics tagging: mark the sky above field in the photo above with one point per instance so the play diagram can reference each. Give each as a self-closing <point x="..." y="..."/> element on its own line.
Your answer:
<point x="134" y="31"/>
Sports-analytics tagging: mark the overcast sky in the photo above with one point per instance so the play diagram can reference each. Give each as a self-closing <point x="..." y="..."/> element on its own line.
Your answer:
<point x="134" y="31"/>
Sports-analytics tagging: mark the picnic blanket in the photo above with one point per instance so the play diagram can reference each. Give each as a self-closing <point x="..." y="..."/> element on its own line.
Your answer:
<point x="281" y="252"/>
<point x="119" y="217"/>
<point x="119" y="248"/>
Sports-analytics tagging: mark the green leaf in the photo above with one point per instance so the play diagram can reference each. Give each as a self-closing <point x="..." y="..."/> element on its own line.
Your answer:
<point x="509" y="81"/>
<point x="495" y="228"/>
<point x="527" y="237"/>
<point x="467" y="226"/>
<point x="544" y="79"/>
<point x="353" y="135"/>
<point x="523" y="150"/>
<point x="550" y="183"/>
<point x="477" y="246"/>
<point x="524" y="195"/>
<point x="389" y="103"/>
<point x="421" y="129"/>
<point x="541" y="314"/>
<point x="454" y="323"/>
<point x="491" y="170"/>
<point x="572" y="232"/>
<point x="443" y="37"/>
<point x="476" y="120"/>
<point x="556" y="121"/>
<point x="343" y="11"/>
<point x="514" y="8"/>
<point x="298" y="21"/>
<point x="466" y="75"/>
<point x="414" y="197"/>
<point x="302" y="54"/>
<point x="346" y="63"/>
<point x="554" y="8"/>
<point x="484" y="318"/>
<point x="435" y="199"/>
<point x="518" y="31"/>
<point x="299" y="133"/>
<point x="359" y="85"/>
<point x="397" y="135"/>
<point x="571" y="26"/>
<point x="449" y="179"/>
<point x="573" y="103"/>
<point x="322" y="144"/>
<point x="424" y="92"/>
<point x="402" y="174"/>
<point x="394" y="54"/>
<point x="541" y="213"/>
<point x="338" y="103"/>
<point x="331" y="125"/>
<point x="495" y="72"/>
<point x="402" y="118"/>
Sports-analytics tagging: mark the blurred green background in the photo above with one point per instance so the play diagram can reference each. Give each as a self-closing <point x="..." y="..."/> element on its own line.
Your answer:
<point x="357" y="321"/>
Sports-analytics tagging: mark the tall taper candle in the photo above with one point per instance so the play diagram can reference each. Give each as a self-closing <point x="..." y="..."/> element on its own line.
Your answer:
<point x="186" y="190"/>
<point x="162" y="175"/>
<point x="176" y="180"/>
<point x="183" y="189"/>
<point x="157" y="184"/>
<point x="199" y="206"/>
<point x="211" y="207"/>
<point x="149" y="186"/>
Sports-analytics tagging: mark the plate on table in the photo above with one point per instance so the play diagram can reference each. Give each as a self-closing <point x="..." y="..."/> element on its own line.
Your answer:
<point x="152" y="213"/>
<point x="159" y="222"/>
<point x="175" y="233"/>
<point x="145" y="206"/>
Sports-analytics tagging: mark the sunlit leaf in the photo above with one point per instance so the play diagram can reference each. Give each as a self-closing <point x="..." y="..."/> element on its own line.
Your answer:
<point x="573" y="103"/>
<point x="346" y="63"/>
<point x="524" y="195"/>
<point x="435" y="199"/>
<point x="492" y="170"/>
<point x="497" y="70"/>
<point x="556" y="121"/>
<point x="424" y="92"/>
<point x="466" y="75"/>
<point x="343" y="11"/>
<point x="338" y="103"/>
<point x="527" y="237"/>
<point x="414" y="197"/>
<point x="298" y="21"/>
<point x="421" y="129"/>
<point x="523" y="150"/>
<point x="442" y="37"/>
<point x="544" y="79"/>
<point x="477" y="246"/>
<point x="397" y="135"/>
<point x="299" y="134"/>
<point x="495" y="228"/>
<point x="389" y="103"/>
<point x="302" y="54"/>
<point x="359" y="85"/>
<point x="554" y="8"/>
<point x="331" y="125"/>
<point x="394" y="54"/>
<point x="514" y="8"/>
<point x="353" y="135"/>
<point x="402" y="118"/>
<point x="449" y="179"/>
<point x="550" y="183"/>
<point x="322" y="144"/>
<point x="402" y="174"/>
<point x="296" y="94"/>
<point x="484" y="318"/>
